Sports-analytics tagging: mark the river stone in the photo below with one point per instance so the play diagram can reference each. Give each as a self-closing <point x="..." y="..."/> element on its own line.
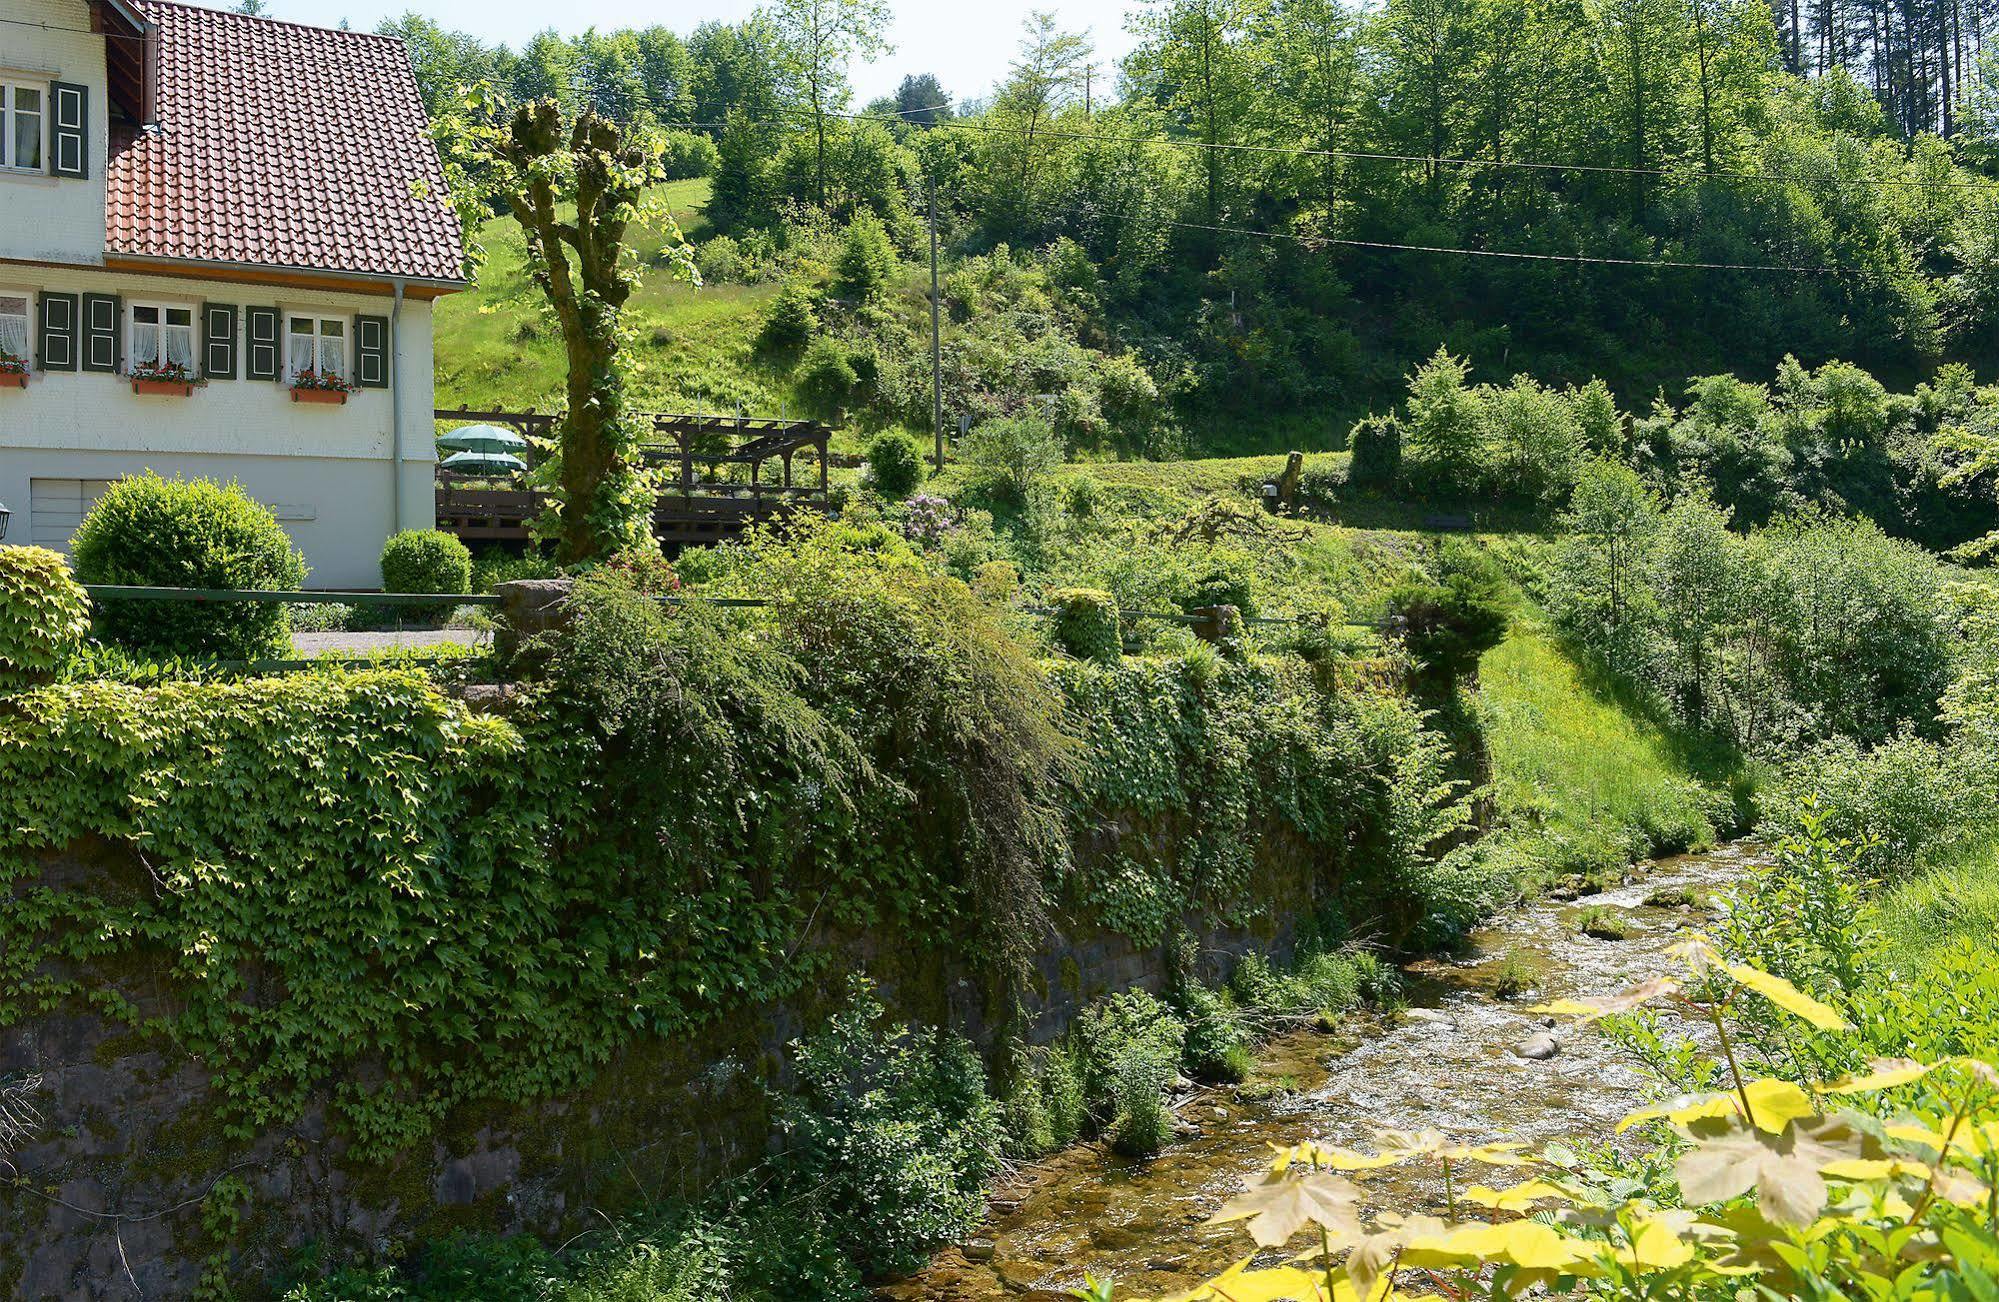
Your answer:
<point x="978" y="1250"/>
<point x="1538" y="1047"/>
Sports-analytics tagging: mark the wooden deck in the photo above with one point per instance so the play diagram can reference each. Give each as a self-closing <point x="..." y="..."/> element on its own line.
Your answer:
<point x="724" y="474"/>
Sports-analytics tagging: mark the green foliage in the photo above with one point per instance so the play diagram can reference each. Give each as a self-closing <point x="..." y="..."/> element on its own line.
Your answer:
<point x="149" y="531"/>
<point x="826" y="376"/>
<point x="1011" y="455"/>
<point x="425" y="560"/>
<point x="1448" y="625"/>
<point x="893" y="1136"/>
<point x="44" y="615"/>
<point x="1129" y="1046"/>
<point x="1377" y="454"/>
<point x="895" y="467"/>
<point x="1445" y="426"/>
<point x="1085" y="624"/>
<point x="1913" y="802"/>
<point x="867" y="262"/>
<point x="494" y="566"/>
<point x="1216" y="1045"/>
<point x="791" y="321"/>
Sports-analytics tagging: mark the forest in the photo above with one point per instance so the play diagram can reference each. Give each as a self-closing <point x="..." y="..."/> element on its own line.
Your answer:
<point x="1270" y="212"/>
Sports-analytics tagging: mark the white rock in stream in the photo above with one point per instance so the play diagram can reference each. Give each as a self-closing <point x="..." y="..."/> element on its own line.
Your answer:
<point x="1538" y="1047"/>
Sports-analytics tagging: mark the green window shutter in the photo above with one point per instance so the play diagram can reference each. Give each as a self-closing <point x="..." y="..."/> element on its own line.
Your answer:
<point x="218" y="341"/>
<point x="260" y="353"/>
<point x="99" y="350"/>
<point x="371" y="352"/>
<point x="69" y="129"/>
<point x="57" y="330"/>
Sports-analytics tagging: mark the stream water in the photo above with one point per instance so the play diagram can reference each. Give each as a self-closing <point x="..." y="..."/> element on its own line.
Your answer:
<point x="1448" y="1063"/>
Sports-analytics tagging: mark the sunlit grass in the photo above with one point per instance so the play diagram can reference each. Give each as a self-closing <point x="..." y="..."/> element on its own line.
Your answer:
<point x="1589" y="785"/>
<point x="1953" y="901"/>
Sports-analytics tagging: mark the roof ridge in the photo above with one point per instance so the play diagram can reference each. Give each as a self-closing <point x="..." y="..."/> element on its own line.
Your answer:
<point x="260" y="18"/>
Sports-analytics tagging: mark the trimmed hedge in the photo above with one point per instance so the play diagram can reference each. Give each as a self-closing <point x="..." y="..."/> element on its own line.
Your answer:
<point x="44" y="615"/>
<point x="426" y="560"/>
<point x="188" y="533"/>
<point x="895" y="467"/>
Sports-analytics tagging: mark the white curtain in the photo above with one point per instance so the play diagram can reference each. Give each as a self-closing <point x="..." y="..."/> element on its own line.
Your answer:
<point x="145" y="345"/>
<point x="301" y="353"/>
<point x="14" y="328"/>
<point x="332" y="357"/>
<point x="180" y="346"/>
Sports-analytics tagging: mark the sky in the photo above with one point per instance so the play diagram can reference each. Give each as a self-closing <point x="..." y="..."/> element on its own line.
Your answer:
<point x="966" y="44"/>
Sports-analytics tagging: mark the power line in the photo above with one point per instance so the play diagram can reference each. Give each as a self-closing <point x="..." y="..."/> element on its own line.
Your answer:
<point x="1579" y="259"/>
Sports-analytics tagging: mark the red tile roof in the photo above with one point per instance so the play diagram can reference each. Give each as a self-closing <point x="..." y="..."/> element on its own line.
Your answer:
<point x="281" y="145"/>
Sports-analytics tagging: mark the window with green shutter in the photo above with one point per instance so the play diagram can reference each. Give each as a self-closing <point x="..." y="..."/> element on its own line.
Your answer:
<point x="69" y="129"/>
<point x="371" y="352"/>
<point x="218" y="341"/>
<point x="261" y="358"/>
<point x="99" y="350"/>
<point x="57" y="331"/>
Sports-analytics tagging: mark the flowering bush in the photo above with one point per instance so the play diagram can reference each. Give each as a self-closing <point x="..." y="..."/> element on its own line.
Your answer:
<point x="927" y="520"/>
<point x="326" y="380"/>
<point x="169" y="372"/>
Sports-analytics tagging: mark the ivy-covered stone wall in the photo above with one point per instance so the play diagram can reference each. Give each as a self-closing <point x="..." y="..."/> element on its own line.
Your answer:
<point x="332" y="958"/>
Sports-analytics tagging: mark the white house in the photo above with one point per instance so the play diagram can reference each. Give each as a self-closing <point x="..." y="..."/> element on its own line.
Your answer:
<point x="220" y="239"/>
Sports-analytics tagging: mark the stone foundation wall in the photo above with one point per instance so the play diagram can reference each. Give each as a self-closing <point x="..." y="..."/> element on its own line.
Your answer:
<point x="111" y="1187"/>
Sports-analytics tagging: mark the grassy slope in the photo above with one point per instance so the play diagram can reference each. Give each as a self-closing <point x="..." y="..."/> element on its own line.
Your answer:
<point x="1951" y="902"/>
<point x="1592" y="784"/>
<point x="496" y="347"/>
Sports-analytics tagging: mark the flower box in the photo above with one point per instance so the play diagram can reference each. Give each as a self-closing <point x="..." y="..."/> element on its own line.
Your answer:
<point x="170" y="388"/>
<point x="13" y="380"/>
<point x="336" y="397"/>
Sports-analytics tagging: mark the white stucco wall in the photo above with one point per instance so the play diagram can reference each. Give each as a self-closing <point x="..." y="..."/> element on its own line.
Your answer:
<point x="41" y="217"/>
<point x="325" y="471"/>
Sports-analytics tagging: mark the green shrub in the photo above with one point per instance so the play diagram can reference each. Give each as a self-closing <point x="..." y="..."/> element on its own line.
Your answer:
<point x="1129" y="1048"/>
<point x="1216" y="1047"/>
<point x="1085" y="498"/>
<point x="895" y="467"/>
<point x="1377" y="453"/>
<point x="156" y="532"/>
<point x="826" y="375"/>
<point x="494" y="566"/>
<point x="1009" y="456"/>
<point x="426" y="560"/>
<point x="867" y="260"/>
<point x="1448" y="625"/>
<point x="1228" y="580"/>
<point x="1913" y="802"/>
<point x="791" y="322"/>
<point x="44" y="615"/>
<point x="895" y="1136"/>
<point x="1085" y="624"/>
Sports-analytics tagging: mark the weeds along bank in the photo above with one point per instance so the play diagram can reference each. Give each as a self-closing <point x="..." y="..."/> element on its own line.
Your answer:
<point x="337" y="959"/>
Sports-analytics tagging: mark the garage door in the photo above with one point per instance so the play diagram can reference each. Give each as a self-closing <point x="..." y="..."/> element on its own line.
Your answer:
<point x="57" y="506"/>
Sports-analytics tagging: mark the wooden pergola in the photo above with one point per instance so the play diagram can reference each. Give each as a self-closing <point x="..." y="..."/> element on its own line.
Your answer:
<point x="719" y="484"/>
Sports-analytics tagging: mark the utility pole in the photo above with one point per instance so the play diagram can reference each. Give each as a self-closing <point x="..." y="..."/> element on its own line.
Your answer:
<point x="1089" y="75"/>
<point x="936" y="348"/>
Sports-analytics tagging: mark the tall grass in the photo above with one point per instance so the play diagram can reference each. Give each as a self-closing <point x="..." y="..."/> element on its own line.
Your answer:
<point x="1957" y="900"/>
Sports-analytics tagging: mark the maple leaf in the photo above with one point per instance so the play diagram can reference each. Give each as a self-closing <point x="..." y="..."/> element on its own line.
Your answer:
<point x="1732" y="1157"/>
<point x="1282" y="1204"/>
<point x="1775" y="1104"/>
<point x="1589" y="1010"/>
<point x="1519" y="1197"/>
<point x="1401" y="1144"/>
<point x="1788" y="997"/>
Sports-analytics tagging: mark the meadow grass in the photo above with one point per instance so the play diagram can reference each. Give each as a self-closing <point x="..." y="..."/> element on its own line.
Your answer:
<point x="1934" y="909"/>
<point x="1586" y="785"/>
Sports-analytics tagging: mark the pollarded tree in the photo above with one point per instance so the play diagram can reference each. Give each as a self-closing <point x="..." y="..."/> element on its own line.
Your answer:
<point x="575" y="185"/>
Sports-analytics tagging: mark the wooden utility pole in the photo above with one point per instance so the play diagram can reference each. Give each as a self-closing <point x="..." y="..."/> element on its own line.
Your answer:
<point x="936" y="347"/>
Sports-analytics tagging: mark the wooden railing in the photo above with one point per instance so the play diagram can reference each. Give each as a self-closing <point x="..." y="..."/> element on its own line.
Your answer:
<point x="715" y="490"/>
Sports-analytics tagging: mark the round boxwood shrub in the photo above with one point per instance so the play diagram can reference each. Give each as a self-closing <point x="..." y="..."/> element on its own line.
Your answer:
<point x="1086" y="624"/>
<point x="426" y="560"/>
<point x="188" y="533"/>
<point x="43" y="616"/>
<point x="895" y="467"/>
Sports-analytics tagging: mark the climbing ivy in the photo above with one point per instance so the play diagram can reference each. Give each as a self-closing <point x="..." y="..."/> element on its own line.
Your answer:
<point x="347" y="886"/>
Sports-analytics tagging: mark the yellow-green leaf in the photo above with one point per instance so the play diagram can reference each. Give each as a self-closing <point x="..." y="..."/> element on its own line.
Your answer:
<point x="1787" y="997"/>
